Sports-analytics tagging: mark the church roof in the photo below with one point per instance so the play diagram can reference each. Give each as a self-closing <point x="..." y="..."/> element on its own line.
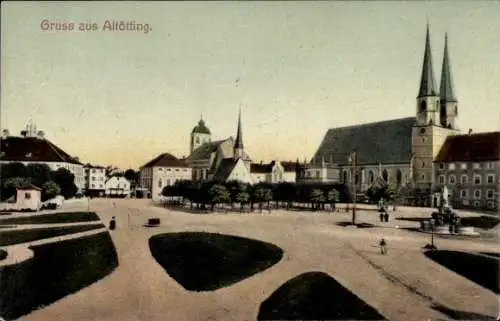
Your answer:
<point x="427" y="82"/>
<point x="165" y="160"/>
<point x="446" y="90"/>
<point x="33" y="149"/>
<point x="201" y="128"/>
<point x="224" y="169"/>
<point x="386" y="142"/>
<point x="205" y="150"/>
<point x="470" y="148"/>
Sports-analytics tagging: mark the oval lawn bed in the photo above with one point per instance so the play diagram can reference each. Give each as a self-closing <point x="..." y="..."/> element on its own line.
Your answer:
<point x="202" y="261"/>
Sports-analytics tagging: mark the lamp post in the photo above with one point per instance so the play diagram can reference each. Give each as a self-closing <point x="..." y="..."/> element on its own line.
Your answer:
<point x="353" y="177"/>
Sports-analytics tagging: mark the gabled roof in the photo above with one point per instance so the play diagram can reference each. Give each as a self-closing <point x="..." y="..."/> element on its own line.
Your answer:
<point x="29" y="187"/>
<point x="165" y="160"/>
<point x="32" y="149"/>
<point x="205" y="150"/>
<point x="470" y="148"/>
<point x="290" y="166"/>
<point x="259" y="168"/>
<point x="224" y="169"/>
<point x="386" y="142"/>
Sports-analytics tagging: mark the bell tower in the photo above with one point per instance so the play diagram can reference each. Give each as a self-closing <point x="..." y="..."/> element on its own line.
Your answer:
<point x="199" y="135"/>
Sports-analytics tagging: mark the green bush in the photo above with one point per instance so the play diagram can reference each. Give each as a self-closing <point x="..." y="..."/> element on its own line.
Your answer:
<point x="55" y="271"/>
<point x="3" y="254"/>
<point x="66" y="217"/>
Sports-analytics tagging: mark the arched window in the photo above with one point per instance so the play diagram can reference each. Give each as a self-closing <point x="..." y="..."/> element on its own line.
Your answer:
<point x="345" y="177"/>
<point x="356" y="178"/>
<point x="370" y="177"/>
<point x="385" y="175"/>
<point x="159" y="183"/>
<point x="423" y="106"/>
<point x="197" y="140"/>
<point x="398" y="178"/>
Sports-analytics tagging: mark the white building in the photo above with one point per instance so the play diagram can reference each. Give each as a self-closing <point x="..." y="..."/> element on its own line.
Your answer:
<point x="274" y="172"/>
<point x="29" y="197"/>
<point x="117" y="186"/>
<point x="95" y="178"/>
<point x="32" y="147"/>
<point x="163" y="170"/>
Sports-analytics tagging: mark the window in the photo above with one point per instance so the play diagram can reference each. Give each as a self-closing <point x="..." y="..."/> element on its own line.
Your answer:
<point x="168" y="169"/>
<point x="197" y="140"/>
<point x="422" y="130"/>
<point x="490" y="179"/>
<point x="451" y="179"/>
<point x="176" y="169"/>
<point x="423" y="139"/>
<point x="160" y="169"/>
<point x="451" y="166"/>
<point x="93" y="178"/>
<point x="476" y="166"/>
<point x="477" y="179"/>
<point x="489" y="194"/>
<point x="490" y="165"/>
<point x="477" y="204"/>
<point x="159" y="183"/>
<point x="441" y="166"/>
<point x="441" y="179"/>
<point x="477" y="193"/>
<point x="308" y="174"/>
<point x="100" y="185"/>
<point x="317" y="173"/>
<point x="463" y="166"/>
<point x="423" y="164"/>
<point x="168" y="182"/>
<point x="93" y="185"/>
<point x="463" y="179"/>
<point x="423" y="177"/>
<point x="27" y="196"/>
<point x="491" y="205"/>
<point x="463" y="193"/>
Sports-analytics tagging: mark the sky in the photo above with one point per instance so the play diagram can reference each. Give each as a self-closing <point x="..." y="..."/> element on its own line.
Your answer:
<point x="294" y="68"/>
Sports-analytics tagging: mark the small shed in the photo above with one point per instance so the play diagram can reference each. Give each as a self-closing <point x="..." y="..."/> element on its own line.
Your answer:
<point x="29" y="197"/>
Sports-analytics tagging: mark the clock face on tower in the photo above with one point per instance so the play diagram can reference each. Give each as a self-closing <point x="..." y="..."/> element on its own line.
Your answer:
<point x="422" y="131"/>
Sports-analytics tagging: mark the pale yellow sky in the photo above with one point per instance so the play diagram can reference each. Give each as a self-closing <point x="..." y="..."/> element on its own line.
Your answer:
<point x="121" y="98"/>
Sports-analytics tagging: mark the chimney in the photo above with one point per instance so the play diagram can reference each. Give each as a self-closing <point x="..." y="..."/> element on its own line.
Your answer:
<point x="470" y="131"/>
<point x="24" y="133"/>
<point x="40" y="134"/>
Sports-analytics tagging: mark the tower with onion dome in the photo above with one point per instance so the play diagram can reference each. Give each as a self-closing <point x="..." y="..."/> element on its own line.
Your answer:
<point x="199" y="135"/>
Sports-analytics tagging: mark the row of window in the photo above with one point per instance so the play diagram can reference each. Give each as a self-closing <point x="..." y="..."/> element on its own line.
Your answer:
<point x="464" y="179"/>
<point x="463" y="166"/>
<point x="100" y="178"/>
<point x="477" y="194"/>
<point x="94" y="186"/>
<point x="169" y="169"/>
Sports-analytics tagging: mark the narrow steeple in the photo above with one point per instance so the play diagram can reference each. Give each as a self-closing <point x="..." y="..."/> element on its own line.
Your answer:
<point x="427" y="83"/>
<point x="238" y="144"/>
<point x="446" y="90"/>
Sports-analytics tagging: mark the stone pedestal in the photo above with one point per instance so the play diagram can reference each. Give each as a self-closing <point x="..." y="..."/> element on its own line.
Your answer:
<point x="442" y="229"/>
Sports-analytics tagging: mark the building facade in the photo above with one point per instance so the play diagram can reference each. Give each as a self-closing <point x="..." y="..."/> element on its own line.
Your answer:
<point x="469" y="165"/>
<point x="163" y="170"/>
<point x="95" y="179"/>
<point x="117" y="186"/>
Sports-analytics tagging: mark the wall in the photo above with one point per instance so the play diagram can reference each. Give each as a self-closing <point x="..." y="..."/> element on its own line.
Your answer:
<point x="32" y="202"/>
<point x="167" y="176"/>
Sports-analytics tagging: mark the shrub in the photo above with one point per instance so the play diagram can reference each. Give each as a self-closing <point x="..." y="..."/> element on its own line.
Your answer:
<point x="154" y="221"/>
<point x="3" y="254"/>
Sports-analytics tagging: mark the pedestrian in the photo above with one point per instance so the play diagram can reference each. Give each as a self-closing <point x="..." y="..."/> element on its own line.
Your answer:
<point x="386" y="217"/>
<point x="383" y="248"/>
<point x="112" y="223"/>
<point x="381" y="215"/>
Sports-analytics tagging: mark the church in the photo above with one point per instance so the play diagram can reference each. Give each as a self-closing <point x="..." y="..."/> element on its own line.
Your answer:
<point x="400" y="151"/>
<point x="226" y="160"/>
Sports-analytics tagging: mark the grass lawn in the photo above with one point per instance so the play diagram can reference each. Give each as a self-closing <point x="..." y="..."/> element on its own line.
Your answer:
<point x="15" y="237"/>
<point x="65" y="217"/>
<point x="202" y="261"/>
<point x="315" y="296"/>
<point x="480" y="269"/>
<point x="56" y="270"/>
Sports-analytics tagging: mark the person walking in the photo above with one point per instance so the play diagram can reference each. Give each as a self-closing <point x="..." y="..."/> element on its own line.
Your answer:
<point x="383" y="247"/>
<point x="381" y="216"/>
<point x="386" y="217"/>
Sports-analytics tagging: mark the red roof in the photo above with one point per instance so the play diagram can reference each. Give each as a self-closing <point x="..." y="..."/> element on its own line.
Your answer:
<point x="166" y="160"/>
<point x="478" y="147"/>
<point x="32" y="149"/>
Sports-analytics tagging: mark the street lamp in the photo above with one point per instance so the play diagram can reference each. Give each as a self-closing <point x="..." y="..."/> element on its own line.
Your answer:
<point x="353" y="160"/>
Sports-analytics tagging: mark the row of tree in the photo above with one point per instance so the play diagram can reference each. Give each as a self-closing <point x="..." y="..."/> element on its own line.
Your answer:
<point x="52" y="183"/>
<point x="284" y="195"/>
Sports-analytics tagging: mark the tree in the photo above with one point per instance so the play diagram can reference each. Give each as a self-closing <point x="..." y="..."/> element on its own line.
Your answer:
<point x="66" y="181"/>
<point x="50" y="190"/>
<point x="132" y="176"/>
<point x="316" y="198"/>
<point x="242" y="198"/>
<point x="262" y="194"/>
<point x="218" y="194"/>
<point x="333" y="197"/>
<point x="38" y="173"/>
<point x="11" y="185"/>
<point x="10" y="170"/>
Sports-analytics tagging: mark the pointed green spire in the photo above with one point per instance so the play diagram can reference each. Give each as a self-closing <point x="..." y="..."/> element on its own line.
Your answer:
<point x="427" y="83"/>
<point x="446" y="90"/>
<point x="239" y="136"/>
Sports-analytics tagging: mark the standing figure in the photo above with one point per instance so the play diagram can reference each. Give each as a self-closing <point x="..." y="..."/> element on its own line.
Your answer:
<point x="112" y="223"/>
<point x="386" y="217"/>
<point x="381" y="215"/>
<point x="383" y="247"/>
